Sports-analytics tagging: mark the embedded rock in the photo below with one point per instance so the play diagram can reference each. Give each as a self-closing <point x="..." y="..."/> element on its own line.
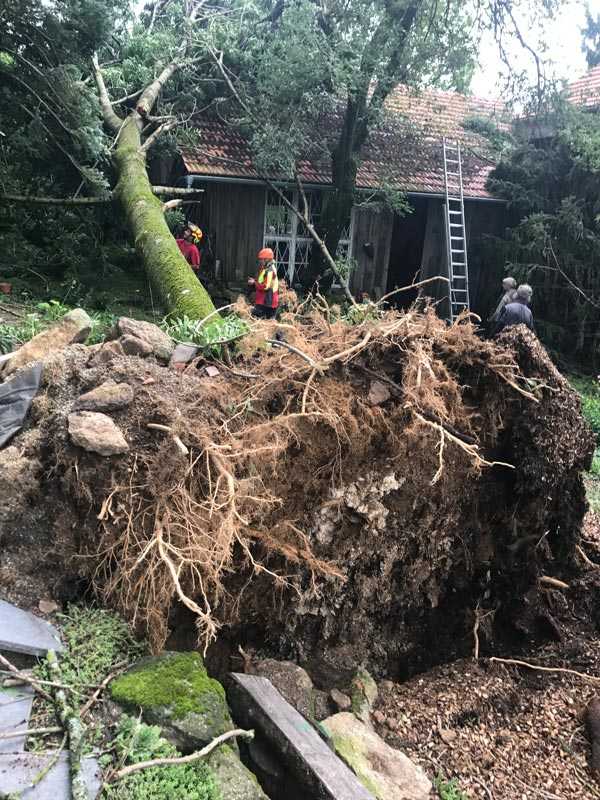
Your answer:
<point x="161" y="345"/>
<point x="291" y="681"/>
<point x="96" y="433"/>
<point x="106" y="353"/>
<point x="134" y="346"/>
<point x="387" y="773"/>
<point x="235" y="782"/>
<point x="173" y="690"/>
<point x="72" y="328"/>
<point x="109" y="396"/>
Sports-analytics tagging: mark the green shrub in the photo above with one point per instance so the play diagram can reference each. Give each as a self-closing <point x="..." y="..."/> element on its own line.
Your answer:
<point x="13" y="336"/>
<point x="136" y="742"/>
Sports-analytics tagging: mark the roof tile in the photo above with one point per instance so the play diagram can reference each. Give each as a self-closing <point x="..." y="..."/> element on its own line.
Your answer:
<point x="406" y="152"/>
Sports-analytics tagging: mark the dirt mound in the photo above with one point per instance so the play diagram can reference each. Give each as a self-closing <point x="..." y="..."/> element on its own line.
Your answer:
<point x="353" y="493"/>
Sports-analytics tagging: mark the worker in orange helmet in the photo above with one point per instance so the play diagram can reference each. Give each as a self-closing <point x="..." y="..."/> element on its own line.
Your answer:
<point x="266" y="284"/>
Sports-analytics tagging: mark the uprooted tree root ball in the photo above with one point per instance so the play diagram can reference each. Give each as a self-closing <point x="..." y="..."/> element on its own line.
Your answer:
<point x="354" y="493"/>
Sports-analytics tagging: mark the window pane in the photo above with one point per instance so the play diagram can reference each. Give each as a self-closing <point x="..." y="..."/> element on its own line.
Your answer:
<point x="278" y="218"/>
<point x="281" y="249"/>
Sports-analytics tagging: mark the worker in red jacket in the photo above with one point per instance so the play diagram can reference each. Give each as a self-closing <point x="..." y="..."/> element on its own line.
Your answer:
<point x="192" y="235"/>
<point x="266" y="284"/>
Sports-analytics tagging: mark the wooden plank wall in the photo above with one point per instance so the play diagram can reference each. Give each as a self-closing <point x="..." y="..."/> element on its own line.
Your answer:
<point x="233" y="214"/>
<point x="371" y="273"/>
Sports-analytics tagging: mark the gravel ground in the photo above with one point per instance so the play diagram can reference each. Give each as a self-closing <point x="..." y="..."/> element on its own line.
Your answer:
<point x="504" y="732"/>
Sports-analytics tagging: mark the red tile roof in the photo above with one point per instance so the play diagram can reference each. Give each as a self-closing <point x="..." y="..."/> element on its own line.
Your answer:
<point x="405" y="152"/>
<point x="585" y="91"/>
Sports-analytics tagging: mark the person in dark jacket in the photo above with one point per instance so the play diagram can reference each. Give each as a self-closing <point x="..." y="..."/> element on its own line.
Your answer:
<point x="517" y="312"/>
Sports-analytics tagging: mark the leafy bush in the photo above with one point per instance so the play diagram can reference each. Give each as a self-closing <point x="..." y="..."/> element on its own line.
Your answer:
<point x="102" y="322"/>
<point x="136" y="742"/>
<point x="53" y="310"/>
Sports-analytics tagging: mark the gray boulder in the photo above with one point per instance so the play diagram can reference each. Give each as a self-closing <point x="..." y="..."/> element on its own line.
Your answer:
<point x="96" y="433"/>
<point x="387" y="773"/>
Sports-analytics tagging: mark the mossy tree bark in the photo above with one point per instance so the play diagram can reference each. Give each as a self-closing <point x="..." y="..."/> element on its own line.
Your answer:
<point x="169" y="272"/>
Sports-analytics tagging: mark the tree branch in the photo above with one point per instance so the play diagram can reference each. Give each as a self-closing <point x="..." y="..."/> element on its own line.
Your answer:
<point x="111" y="119"/>
<point x="39" y="200"/>
<point x="167" y="762"/>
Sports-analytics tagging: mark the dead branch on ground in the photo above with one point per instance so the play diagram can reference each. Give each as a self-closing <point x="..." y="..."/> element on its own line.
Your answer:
<point x="169" y="762"/>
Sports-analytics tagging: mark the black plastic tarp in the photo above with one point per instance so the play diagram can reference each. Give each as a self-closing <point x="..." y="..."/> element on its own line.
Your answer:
<point x="15" y="400"/>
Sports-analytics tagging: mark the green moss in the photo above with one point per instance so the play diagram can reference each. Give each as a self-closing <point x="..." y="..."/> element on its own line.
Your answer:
<point x="178" y="681"/>
<point x="348" y="750"/>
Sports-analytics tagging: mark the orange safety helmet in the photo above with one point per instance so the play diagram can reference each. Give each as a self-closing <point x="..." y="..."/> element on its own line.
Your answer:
<point x="266" y="254"/>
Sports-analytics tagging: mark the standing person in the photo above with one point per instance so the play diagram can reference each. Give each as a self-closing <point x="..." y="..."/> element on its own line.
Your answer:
<point x="509" y="289"/>
<point x="518" y="312"/>
<point x="192" y="235"/>
<point x="266" y="284"/>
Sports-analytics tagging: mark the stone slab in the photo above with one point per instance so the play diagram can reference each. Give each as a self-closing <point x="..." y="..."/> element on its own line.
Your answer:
<point x="22" y="632"/>
<point x="17" y="770"/>
<point x="323" y="776"/>
<point x="15" y="708"/>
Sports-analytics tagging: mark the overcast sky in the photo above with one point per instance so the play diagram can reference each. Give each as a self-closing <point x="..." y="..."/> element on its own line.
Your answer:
<point x="563" y="38"/>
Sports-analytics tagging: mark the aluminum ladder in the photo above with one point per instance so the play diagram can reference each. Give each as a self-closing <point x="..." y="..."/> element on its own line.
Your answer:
<point x="456" y="239"/>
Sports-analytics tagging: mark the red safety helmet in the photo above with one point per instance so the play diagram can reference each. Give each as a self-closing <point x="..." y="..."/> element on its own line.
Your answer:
<point x="266" y="254"/>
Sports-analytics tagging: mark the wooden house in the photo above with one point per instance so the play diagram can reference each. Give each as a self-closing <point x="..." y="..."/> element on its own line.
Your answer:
<point x="241" y="214"/>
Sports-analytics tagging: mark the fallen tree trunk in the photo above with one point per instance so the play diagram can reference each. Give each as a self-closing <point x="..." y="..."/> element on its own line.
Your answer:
<point x="166" y="267"/>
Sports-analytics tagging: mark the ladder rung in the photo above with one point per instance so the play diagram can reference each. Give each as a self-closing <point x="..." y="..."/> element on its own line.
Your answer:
<point x="457" y="238"/>
<point x="457" y="251"/>
<point x="450" y="211"/>
<point x="456" y="224"/>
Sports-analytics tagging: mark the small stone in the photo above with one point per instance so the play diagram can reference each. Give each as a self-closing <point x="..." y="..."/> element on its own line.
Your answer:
<point x="182" y="355"/>
<point x="133" y="346"/>
<point x="96" y="433"/>
<point x="160" y="343"/>
<point x="211" y="371"/>
<point x="447" y="736"/>
<point x="48" y="606"/>
<point x="72" y="328"/>
<point x="109" y="396"/>
<point x="291" y="681"/>
<point x="107" y="353"/>
<point x="341" y="700"/>
<point x="392" y="724"/>
<point x="378" y="393"/>
<point x="379" y="717"/>
<point x="387" y="686"/>
<point x="322" y="706"/>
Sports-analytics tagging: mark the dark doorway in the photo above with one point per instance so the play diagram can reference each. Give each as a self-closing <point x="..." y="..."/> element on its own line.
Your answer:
<point x="406" y="251"/>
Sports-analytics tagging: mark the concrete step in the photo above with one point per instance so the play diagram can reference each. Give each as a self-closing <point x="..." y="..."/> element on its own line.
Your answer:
<point x="17" y="770"/>
<point x="22" y="632"/>
<point x="15" y="709"/>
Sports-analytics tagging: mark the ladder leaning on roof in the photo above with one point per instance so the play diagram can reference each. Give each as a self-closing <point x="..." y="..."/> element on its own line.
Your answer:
<point x="456" y="239"/>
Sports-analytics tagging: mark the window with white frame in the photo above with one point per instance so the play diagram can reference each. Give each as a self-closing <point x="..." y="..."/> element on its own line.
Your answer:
<point x="288" y="237"/>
